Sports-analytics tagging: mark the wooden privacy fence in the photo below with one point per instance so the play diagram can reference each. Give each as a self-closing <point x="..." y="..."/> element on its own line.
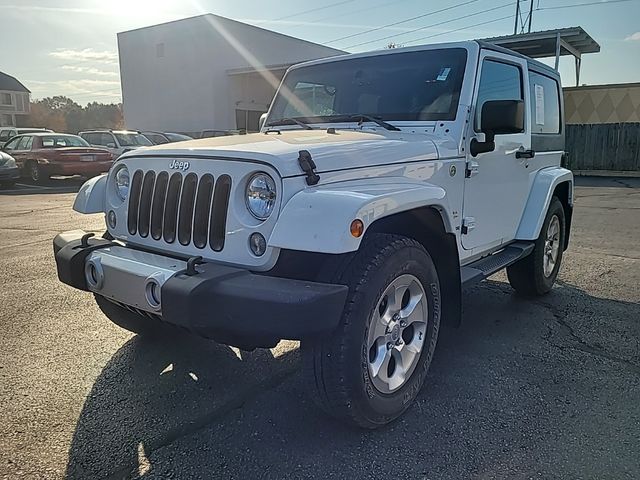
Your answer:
<point x="606" y="146"/>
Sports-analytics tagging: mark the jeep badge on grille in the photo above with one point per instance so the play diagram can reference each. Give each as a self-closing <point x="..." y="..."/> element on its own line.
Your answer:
<point x="178" y="165"/>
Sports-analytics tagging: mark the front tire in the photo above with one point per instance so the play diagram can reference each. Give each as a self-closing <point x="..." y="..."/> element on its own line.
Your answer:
<point x="535" y="274"/>
<point x="372" y="367"/>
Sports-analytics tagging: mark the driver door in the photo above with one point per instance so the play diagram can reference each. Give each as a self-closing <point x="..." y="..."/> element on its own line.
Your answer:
<point x="497" y="184"/>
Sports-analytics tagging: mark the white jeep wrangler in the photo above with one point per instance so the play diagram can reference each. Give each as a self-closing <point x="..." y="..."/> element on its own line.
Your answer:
<point x="380" y="185"/>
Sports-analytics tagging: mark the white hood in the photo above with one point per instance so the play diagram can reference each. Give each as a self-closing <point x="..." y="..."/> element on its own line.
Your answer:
<point x="344" y="149"/>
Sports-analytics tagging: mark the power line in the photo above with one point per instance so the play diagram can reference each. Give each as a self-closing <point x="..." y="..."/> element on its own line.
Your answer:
<point x="314" y="9"/>
<point x="432" y="25"/>
<point x="386" y="3"/>
<point x="403" y="21"/>
<point x="583" y="4"/>
<point x="459" y="29"/>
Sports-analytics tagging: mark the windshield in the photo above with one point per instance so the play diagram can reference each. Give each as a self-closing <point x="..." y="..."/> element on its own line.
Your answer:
<point x="421" y="85"/>
<point x="177" y="137"/>
<point x="132" y="140"/>
<point x="59" y="141"/>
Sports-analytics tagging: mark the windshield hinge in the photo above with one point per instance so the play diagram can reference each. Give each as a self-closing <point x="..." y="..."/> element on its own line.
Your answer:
<point x="468" y="224"/>
<point x="472" y="169"/>
<point x="308" y="166"/>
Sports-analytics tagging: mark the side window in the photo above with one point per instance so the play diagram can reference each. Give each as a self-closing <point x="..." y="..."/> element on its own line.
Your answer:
<point x="4" y="135"/>
<point x="96" y="139"/>
<point x="498" y="81"/>
<point x="545" y="104"/>
<point x="107" y="138"/>
<point x="22" y="144"/>
<point x="88" y="137"/>
<point x="11" y="144"/>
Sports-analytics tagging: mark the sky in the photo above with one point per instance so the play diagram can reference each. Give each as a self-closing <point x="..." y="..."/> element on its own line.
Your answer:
<point x="70" y="47"/>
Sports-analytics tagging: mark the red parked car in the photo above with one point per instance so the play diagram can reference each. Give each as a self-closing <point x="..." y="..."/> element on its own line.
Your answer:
<point x="40" y="155"/>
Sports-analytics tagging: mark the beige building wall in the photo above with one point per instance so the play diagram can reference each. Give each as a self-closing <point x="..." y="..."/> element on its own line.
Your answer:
<point x="617" y="103"/>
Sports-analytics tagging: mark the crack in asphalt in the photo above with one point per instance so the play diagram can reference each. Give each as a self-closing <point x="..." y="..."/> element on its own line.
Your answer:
<point x="29" y="212"/>
<point x="582" y="345"/>
<point x="233" y="404"/>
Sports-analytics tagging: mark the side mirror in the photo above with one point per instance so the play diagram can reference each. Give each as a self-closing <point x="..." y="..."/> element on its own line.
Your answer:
<point x="498" y="117"/>
<point x="263" y="118"/>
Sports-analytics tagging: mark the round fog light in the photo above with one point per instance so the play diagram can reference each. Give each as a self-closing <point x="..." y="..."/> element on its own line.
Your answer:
<point x="93" y="274"/>
<point x="111" y="219"/>
<point x="152" y="292"/>
<point x="257" y="244"/>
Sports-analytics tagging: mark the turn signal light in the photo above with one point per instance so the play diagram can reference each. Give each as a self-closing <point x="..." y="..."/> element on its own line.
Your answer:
<point x="357" y="228"/>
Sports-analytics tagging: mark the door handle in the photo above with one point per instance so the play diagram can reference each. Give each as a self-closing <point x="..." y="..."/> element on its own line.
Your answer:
<point x="522" y="153"/>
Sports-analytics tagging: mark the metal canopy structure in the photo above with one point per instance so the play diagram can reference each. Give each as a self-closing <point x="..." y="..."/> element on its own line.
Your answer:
<point x="551" y="43"/>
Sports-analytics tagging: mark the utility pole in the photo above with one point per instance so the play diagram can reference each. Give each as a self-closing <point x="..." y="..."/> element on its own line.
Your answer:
<point x="521" y="25"/>
<point x="530" y="16"/>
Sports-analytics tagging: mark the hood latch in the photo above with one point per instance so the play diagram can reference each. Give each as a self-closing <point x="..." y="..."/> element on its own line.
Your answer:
<point x="308" y="166"/>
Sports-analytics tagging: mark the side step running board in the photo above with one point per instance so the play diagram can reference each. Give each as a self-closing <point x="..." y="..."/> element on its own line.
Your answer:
<point x="483" y="268"/>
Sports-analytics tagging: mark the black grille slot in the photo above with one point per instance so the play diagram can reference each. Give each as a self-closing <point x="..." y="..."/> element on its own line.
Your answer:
<point x="190" y="209"/>
<point x="134" y="202"/>
<point x="157" y="207"/>
<point x="185" y="217"/>
<point x="201" y="213"/>
<point x="171" y="208"/>
<point x="144" y="213"/>
<point x="219" y="213"/>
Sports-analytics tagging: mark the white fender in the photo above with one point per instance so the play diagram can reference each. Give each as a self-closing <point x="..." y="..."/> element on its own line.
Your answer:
<point x="540" y="195"/>
<point x="91" y="197"/>
<point x="317" y="219"/>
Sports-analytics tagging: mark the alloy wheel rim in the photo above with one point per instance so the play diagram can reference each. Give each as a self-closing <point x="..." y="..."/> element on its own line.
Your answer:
<point x="35" y="174"/>
<point x="397" y="332"/>
<point x="551" y="246"/>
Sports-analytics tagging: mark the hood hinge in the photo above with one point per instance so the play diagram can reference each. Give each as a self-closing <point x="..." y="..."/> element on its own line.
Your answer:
<point x="308" y="166"/>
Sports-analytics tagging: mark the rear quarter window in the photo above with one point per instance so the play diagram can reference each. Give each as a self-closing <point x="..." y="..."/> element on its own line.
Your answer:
<point x="545" y="104"/>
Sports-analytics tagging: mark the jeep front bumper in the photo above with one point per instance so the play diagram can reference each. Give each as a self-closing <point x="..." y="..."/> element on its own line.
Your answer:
<point x="228" y="304"/>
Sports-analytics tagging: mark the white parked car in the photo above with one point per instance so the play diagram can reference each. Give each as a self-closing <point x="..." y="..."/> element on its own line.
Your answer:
<point x="381" y="184"/>
<point x="116" y="141"/>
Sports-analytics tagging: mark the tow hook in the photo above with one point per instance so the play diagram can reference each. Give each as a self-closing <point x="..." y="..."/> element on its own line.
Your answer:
<point x="191" y="266"/>
<point x="84" y="241"/>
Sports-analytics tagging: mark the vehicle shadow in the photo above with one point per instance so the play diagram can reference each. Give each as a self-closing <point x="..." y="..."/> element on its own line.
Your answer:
<point x="53" y="185"/>
<point x="507" y="396"/>
<point x="154" y="391"/>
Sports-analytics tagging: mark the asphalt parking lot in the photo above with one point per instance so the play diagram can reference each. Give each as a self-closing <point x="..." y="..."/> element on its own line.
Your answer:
<point x="525" y="389"/>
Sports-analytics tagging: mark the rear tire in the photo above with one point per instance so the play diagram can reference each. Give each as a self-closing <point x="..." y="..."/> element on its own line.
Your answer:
<point x="133" y="322"/>
<point x="35" y="173"/>
<point x="535" y="274"/>
<point x="369" y="370"/>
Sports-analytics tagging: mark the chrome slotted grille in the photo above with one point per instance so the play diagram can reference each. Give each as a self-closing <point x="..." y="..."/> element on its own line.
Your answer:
<point x="188" y="209"/>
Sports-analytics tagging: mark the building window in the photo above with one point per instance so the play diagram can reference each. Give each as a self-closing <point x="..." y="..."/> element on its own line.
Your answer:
<point x="5" y="99"/>
<point x="6" y="120"/>
<point x="248" y="120"/>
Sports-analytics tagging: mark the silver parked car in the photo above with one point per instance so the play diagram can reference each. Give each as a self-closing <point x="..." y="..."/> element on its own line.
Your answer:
<point x="116" y="141"/>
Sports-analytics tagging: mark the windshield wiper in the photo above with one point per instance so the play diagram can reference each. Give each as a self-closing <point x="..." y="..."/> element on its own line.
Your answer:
<point x="285" y="121"/>
<point x="361" y="117"/>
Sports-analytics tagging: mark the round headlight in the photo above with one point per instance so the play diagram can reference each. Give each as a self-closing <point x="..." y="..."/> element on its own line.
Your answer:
<point x="261" y="195"/>
<point x="122" y="183"/>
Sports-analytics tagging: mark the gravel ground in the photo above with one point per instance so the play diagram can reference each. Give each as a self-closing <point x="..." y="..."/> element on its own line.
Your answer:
<point x="525" y="389"/>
